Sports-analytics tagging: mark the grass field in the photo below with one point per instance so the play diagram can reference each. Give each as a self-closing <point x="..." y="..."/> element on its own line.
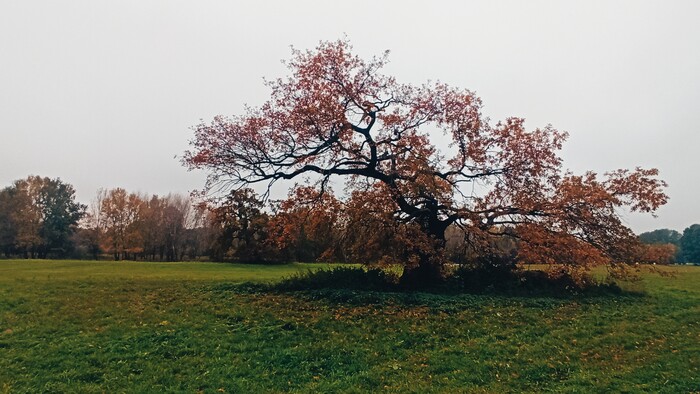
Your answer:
<point x="187" y="327"/>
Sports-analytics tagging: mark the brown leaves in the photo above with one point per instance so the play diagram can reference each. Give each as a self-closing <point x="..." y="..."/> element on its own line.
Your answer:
<point x="121" y="212"/>
<point x="638" y="189"/>
<point x="311" y="216"/>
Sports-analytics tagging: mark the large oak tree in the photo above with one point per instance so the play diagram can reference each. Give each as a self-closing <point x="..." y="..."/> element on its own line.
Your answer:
<point x="339" y="115"/>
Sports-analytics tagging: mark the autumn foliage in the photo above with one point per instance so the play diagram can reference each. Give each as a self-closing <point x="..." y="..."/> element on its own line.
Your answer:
<point x="415" y="161"/>
<point x="38" y="218"/>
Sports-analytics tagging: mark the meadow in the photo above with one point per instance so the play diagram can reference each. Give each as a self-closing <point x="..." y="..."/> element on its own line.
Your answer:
<point x="75" y="326"/>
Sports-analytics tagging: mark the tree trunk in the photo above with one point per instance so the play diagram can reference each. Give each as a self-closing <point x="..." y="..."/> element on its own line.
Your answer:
<point x="429" y="271"/>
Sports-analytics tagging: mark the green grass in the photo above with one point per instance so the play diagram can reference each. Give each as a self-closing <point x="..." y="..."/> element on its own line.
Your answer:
<point x="69" y="326"/>
<point x="116" y="271"/>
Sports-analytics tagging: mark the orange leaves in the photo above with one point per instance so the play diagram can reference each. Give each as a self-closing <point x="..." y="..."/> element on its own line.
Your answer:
<point x="541" y="246"/>
<point x="640" y="189"/>
<point x="120" y="213"/>
<point x="529" y="159"/>
<point x="308" y="217"/>
<point x="657" y="253"/>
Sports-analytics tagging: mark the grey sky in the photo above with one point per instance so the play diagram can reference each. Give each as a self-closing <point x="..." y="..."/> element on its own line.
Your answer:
<point x="102" y="93"/>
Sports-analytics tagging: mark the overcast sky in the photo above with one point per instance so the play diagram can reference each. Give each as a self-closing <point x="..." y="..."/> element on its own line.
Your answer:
<point x="103" y="93"/>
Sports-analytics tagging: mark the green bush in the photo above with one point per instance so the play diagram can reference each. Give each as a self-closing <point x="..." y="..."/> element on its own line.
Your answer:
<point x="353" y="278"/>
<point x="488" y="275"/>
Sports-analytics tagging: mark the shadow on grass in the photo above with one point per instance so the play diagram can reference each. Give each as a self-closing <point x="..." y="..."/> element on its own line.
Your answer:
<point x="357" y="285"/>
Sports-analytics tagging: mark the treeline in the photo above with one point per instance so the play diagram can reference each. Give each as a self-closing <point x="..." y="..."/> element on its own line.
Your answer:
<point x="132" y="226"/>
<point x="677" y="247"/>
<point x="39" y="218"/>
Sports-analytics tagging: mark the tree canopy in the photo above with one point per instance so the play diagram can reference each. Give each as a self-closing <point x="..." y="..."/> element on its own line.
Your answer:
<point x="690" y="244"/>
<point x="339" y="115"/>
<point x="661" y="236"/>
<point x="38" y="217"/>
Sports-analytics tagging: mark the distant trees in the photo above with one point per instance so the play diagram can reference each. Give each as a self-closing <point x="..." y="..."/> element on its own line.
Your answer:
<point x="240" y="230"/>
<point x="162" y="226"/>
<point x="38" y="218"/>
<point x="682" y="248"/>
<point x="121" y="212"/>
<point x="152" y="228"/>
<point x="308" y="227"/>
<point x="26" y="215"/>
<point x="659" y="246"/>
<point x="177" y="218"/>
<point x="8" y="231"/>
<point x="690" y="244"/>
<point x="661" y="236"/>
<point x="133" y="226"/>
